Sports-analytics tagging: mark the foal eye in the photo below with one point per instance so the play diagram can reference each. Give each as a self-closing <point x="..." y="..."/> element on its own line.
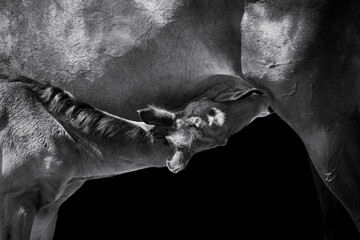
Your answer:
<point x="212" y="112"/>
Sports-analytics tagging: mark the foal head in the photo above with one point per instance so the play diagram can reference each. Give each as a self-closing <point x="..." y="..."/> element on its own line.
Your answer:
<point x="202" y="124"/>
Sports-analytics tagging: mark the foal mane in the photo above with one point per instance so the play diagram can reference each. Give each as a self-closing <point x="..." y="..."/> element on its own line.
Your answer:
<point x="79" y="115"/>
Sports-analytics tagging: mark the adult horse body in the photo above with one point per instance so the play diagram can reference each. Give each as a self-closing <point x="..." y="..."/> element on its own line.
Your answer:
<point x="130" y="53"/>
<point x="122" y="55"/>
<point x="305" y="55"/>
<point x="117" y="56"/>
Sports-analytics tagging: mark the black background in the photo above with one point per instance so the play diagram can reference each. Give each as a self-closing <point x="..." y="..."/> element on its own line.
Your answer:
<point x="259" y="186"/>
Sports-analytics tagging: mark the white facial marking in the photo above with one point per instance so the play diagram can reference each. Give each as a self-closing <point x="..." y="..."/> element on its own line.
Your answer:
<point x="219" y="118"/>
<point x="211" y="120"/>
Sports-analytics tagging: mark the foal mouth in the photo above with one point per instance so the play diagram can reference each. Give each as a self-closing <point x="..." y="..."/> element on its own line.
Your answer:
<point x="176" y="163"/>
<point x="179" y="160"/>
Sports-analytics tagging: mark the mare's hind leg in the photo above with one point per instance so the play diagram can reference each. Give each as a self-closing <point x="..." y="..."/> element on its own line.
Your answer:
<point x="44" y="225"/>
<point x="335" y="153"/>
<point x="336" y="221"/>
<point x="15" y="221"/>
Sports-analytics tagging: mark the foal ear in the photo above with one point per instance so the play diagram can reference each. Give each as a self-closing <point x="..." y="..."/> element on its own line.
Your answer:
<point x="156" y="116"/>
